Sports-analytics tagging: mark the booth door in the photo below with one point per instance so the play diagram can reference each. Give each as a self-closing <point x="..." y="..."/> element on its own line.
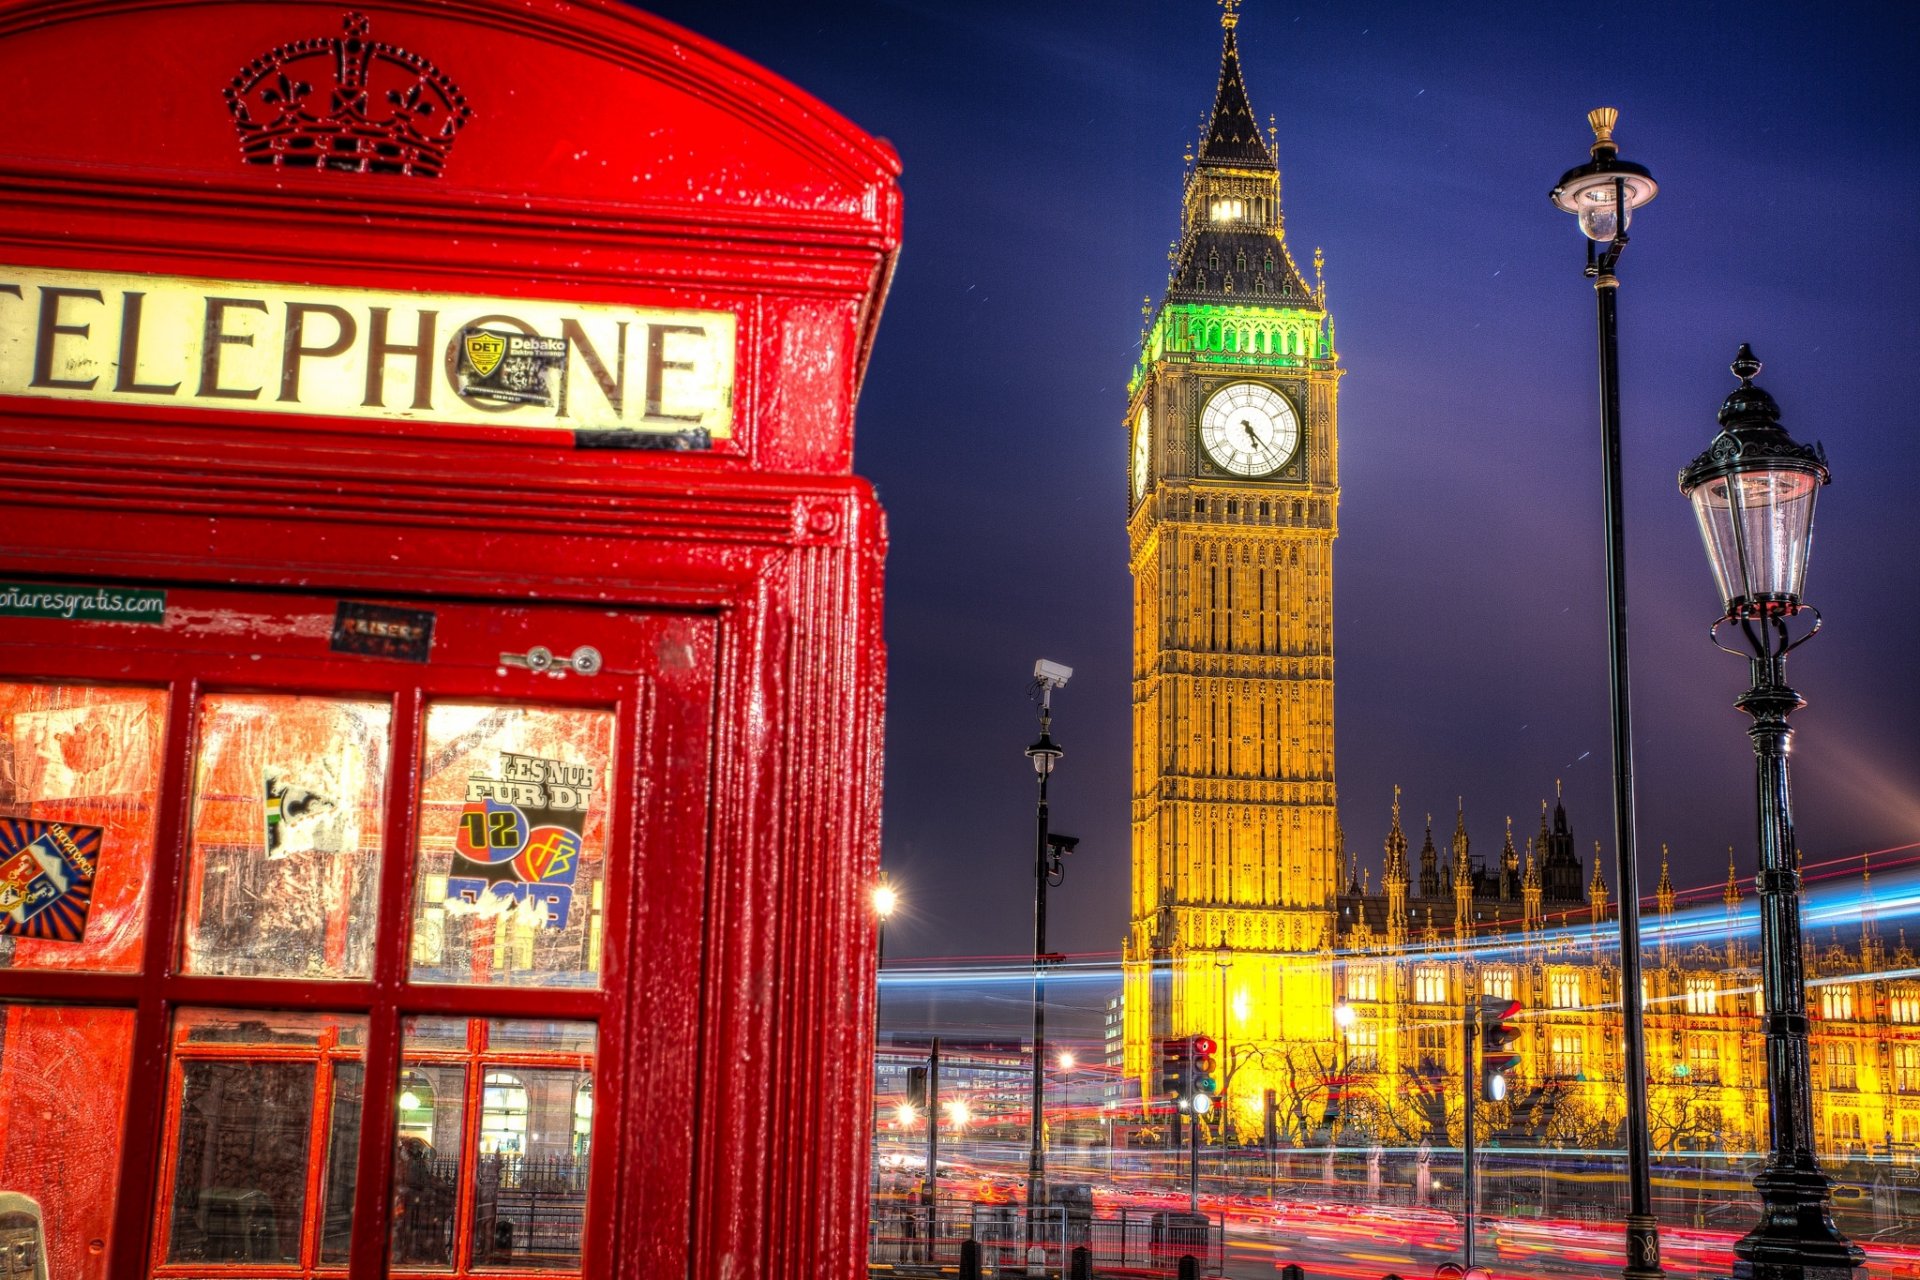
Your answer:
<point x="273" y="865"/>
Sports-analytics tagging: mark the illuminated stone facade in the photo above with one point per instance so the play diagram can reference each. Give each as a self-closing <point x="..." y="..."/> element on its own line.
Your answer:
<point x="1234" y="498"/>
<point x="1249" y="923"/>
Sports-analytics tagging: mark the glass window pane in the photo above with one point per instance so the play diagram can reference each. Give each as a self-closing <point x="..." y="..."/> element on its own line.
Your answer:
<point x="493" y="1145"/>
<point x="426" y="1165"/>
<point x="512" y="845"/>
<point x="79" y="789"/>
<point x="289" y="802"/>
<point x="343" y="1156"/>
<point x="264" y="1113"/>
<point x="63" y="1096"/>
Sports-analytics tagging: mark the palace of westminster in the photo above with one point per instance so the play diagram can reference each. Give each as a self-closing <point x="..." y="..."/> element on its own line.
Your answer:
<point x="1250" y="923"/>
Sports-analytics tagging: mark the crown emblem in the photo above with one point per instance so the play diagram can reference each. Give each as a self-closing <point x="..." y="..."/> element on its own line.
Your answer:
<point x="346" y="103"/>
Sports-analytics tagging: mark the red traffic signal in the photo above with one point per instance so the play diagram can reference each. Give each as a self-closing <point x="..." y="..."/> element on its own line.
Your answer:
<point x="1497" y="1038"/>
<point x="1203" y="1064"/>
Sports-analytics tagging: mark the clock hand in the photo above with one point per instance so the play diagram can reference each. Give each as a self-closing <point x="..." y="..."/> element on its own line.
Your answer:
<point x="1254" y="436"/>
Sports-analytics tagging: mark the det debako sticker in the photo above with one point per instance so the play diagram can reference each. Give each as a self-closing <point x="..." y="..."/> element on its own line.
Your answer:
<point x="520" y="839"/>
<point x="46" y="878"/>
<point x="511" y="368"/>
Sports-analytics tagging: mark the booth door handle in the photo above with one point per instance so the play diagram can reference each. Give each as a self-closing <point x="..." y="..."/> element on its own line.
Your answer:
<point x="586" y="661"/>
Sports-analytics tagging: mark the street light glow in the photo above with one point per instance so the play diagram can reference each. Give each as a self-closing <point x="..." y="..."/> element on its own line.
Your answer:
<point x="1343" y="1015"/>
<point x="1066" y="1062"/>
<point x="885" y="899"/>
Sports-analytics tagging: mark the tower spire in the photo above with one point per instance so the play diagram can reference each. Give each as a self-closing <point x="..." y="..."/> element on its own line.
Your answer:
<point x="1232" y="132"/>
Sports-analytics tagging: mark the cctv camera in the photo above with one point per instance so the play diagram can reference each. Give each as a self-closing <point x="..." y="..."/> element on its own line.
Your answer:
<point x="1052" y="673"/>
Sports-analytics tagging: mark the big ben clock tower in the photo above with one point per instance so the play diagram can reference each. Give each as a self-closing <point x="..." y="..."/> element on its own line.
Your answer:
<point x="1233" y="494"/>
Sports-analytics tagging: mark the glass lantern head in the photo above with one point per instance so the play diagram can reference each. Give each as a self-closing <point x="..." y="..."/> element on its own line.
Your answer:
<point x="1753" y="493"/>
<point x="1604" y="192"/>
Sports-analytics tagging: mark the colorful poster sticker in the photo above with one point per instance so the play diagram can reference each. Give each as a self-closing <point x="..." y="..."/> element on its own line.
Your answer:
<point x="520" y="839"/>
<point x="46" y="878"/>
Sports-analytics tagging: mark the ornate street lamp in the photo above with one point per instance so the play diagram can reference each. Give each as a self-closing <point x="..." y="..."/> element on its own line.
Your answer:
<point x="1602" y="194"/>
<point x="1049" y="848"/>
<point x="1753" y="492"/>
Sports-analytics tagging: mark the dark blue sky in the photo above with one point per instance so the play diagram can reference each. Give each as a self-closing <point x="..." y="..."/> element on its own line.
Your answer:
<point x="1042" y="147"/>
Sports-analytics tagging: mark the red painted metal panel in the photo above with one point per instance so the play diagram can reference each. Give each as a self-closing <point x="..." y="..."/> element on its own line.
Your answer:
<point x="609" y="158"/>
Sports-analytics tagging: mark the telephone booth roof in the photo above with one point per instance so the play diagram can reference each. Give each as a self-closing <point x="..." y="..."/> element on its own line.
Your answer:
<point x="585" y="152"/>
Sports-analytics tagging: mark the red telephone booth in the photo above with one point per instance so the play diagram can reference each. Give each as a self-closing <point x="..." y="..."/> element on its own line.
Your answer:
<point x="440" y="655"/>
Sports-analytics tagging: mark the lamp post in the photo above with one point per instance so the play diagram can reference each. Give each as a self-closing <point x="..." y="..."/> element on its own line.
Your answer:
<point x="1047" y="869"/>
<point x="885" y="899"/>
<point x="1343" y="1016"/>
<point x="1753" y="492"/>
<point x="1602" y="194"/>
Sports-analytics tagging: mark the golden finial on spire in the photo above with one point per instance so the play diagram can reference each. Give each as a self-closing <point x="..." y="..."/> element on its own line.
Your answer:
<point x="1229" y="14"/>
<point x="1556" y="788"/>
<point x="1396" y="804"/>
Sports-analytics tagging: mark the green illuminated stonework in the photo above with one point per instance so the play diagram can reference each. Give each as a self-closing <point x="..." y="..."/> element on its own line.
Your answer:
<point x="1283" y="337"/>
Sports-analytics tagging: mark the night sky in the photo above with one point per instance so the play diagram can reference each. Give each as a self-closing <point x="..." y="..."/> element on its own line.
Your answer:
<point x="1042" y="146"/>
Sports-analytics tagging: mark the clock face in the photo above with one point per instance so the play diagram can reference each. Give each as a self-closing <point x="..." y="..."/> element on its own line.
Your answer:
<point x="1249" y="429"/>
<point x="1142" y="451"/>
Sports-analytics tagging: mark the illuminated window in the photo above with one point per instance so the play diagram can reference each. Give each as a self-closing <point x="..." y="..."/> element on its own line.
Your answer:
<point x="1430" y="1043"/>
<point x="1905" y="1005"/>
<point x="1497" y="983"/>
<point x="1228" y="209"/>
<point x="1566" y="1053"/>
<point x="1702" y="995"/>
<point x="1362" y="984"/>
<point x="1363" y="1047"/>
<point x="1906" y="1068"/>
<point x="1703" y="1059"/>
<point x="1563" y="989"/>
<point x="1842" y="1071"/>
<point x="503" y="1115"/>
<point x="1845" y="1126"/>
<point x="1836" y="1002"/>
<point x="415" y="1105"/>
<point x="582" y="1120"/>
<point x="1430" y="985"/>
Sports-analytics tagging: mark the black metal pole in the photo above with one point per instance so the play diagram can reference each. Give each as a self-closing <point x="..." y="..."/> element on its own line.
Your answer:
<point x="1193" y="1167"/>
<point x="1470" y="1027"/>
<point x="931" y="1187"/>
<point x="1036" y="1152"/>
<point x="1796" y="1238"/>
<point x="1643" y="1234"/>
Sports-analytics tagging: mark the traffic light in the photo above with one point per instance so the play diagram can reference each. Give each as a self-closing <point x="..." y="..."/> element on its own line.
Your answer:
<point x="1173" y="1069"/>
<point x="1205" y="1087"/>
<point x="1497" y="1037"/>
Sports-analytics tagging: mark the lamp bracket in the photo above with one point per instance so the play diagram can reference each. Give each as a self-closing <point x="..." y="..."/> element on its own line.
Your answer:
<point x="1766" y="633"/>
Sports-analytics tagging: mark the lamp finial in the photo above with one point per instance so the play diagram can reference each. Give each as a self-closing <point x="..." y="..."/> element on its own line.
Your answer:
<point x="1746" y="366"/>
<point x="1602" y="119"/>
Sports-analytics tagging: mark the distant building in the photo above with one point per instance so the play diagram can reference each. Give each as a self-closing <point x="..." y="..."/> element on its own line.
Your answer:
<point x="1248" y="921"/>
